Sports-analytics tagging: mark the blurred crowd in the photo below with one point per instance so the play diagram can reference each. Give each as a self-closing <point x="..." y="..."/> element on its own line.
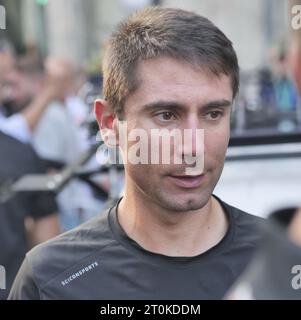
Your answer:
<point x="41" y="105"/>
<point x="268" y="99"/>
<point x="44" y="109"/>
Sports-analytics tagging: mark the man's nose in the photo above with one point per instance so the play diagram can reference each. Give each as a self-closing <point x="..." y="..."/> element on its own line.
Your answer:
<point x="192" y="138"/>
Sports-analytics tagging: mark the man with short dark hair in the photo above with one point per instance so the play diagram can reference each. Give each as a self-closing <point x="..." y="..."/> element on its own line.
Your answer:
<point x="165" y="71"/>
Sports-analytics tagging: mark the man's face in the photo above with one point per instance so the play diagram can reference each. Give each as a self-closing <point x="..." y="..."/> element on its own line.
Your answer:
<point x="174" y="95"/>
<point x="18" y="90"/>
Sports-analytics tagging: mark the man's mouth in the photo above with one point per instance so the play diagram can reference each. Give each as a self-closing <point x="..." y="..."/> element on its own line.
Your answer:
<point x="187" y="181"/>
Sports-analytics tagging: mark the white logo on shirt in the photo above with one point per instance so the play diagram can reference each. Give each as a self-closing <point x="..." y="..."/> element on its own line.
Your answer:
<point x="79" y="273"/>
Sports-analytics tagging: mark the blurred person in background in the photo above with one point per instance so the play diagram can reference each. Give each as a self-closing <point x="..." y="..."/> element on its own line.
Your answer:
<point x="36" y="106"/>
<point x="24" y="93"/>
<point x="76" y="105"/>
<point x="285" y="89"/>
<point x="26" y="219"/>
<point x="286" y="93"/>
<point x="58" y="137"/>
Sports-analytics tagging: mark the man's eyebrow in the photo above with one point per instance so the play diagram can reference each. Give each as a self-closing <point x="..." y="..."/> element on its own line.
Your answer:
<point x="174" y="105"/>
<point x="217" y="104"/>
<point x="162" y="104"/>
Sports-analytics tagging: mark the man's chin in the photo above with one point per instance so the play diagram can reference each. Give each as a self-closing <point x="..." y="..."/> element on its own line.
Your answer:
<point x="185" y="203"/>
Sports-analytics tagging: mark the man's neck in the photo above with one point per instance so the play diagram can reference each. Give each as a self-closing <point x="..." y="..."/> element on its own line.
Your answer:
<point x="172" y="233"/>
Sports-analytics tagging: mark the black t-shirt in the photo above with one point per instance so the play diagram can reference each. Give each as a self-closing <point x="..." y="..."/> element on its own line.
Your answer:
<point x="16" y="160"/>
<point x="98" y="260"/>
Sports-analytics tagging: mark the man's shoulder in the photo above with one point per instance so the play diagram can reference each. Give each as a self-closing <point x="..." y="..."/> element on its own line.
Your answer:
<point x="51" y="258"/>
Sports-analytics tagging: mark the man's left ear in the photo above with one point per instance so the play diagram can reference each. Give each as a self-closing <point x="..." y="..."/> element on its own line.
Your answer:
<point x="105" y="118"/>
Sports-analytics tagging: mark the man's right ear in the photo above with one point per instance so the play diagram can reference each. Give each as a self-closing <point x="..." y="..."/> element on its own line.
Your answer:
<point x="105" y="117"/>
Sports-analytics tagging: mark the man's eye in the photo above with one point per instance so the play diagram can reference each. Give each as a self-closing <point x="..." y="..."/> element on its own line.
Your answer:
<point x="165" y="116"/>
<point x="214" y="115"/>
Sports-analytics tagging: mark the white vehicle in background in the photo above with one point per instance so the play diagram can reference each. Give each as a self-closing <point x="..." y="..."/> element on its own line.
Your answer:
<point x="262" y="174"/>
